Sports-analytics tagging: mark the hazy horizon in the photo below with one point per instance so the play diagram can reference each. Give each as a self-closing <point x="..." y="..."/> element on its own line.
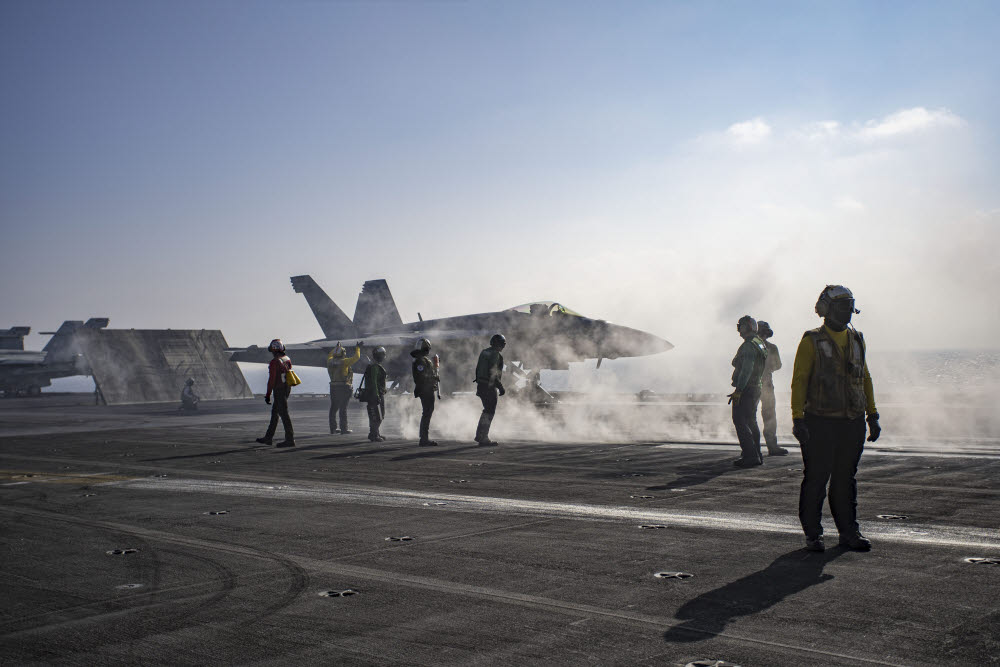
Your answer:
<point x="666" y="166"/>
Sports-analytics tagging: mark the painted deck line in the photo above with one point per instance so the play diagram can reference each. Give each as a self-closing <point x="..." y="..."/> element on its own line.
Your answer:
<point x="924" y="534"/>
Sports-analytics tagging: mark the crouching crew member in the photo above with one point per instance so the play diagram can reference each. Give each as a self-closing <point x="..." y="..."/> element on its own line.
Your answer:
<point x="831" y="392"/>
<point x="372" y="392"/>
<point x="425" y="381"/>
<point x="767" y="402"/>
<point x="488" y="386"/>
<point x="189" y="399"/>
<point x="338" y="365"/>
<point x="278" y="384"/>
<point x="748" y="367"/>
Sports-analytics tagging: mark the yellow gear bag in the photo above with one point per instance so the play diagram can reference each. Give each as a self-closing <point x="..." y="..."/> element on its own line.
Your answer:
<point x="291" y="379"/>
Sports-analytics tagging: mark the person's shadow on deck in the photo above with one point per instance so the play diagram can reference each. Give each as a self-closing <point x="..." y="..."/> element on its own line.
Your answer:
<point x="708" y="614"/>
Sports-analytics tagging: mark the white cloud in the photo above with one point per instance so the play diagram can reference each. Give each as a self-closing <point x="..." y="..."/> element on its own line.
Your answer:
<point x="850" y="204"/>
<point x="908" y="121"/>
<point x="749" y="132"/>
<point x="818" y="131"/>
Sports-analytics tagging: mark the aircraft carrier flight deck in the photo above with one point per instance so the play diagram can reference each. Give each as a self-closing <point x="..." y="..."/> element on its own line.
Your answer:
<point x="142" y="535"/>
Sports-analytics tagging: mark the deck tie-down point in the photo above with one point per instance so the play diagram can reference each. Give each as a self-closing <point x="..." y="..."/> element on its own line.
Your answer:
<point x="893" y="517"/>
<point x="338" y="594"/>
<point x="121" y="552"/>
<point x="652" y="526"/>
<point x="217" y="512"/>
<point x="404" y="538"/>
<point x="991" y="560"/>
<point x="673" y="575"/>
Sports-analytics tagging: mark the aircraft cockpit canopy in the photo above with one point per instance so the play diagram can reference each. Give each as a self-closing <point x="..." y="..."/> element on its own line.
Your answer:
<point x="545" y="309"/>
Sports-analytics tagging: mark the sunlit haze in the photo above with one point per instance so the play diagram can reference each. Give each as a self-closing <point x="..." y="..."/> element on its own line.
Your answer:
<point x="668" y="166"/>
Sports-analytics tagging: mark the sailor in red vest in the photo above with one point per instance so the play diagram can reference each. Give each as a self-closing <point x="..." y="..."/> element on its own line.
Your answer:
<point x="277" y="384"/>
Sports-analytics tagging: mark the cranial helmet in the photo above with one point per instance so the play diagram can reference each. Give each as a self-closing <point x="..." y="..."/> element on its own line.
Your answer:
<point x="835" y="296"/>
<point x="339" y="352"/>
<point x="276" y="346"/>
<point x="424" y="345"/>
<point x="749" y="321"/>
<point x="764" y="329"/>
<point x="379" y="354"/>
<point x="189" y="381"/>
<point x="498" y="341"/>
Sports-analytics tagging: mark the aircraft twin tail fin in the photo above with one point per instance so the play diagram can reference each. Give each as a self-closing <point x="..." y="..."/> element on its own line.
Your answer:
<point x="334" y="322"/>
<point x="13" y="338"/>
<point x="62" y="346"/>
<point x="376" y="308"/>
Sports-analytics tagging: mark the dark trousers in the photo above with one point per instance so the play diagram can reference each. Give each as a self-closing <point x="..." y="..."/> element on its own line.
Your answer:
<point x="340" y="396"/>
<point x="374" y="419"/>
<point x="427" y="403"/>
<point x="488" y="395"/>
<point x="745" y="421"/>
<point x="279" y="409"/>
<point x="767" y="404"/>
<point x="831" y="455"/>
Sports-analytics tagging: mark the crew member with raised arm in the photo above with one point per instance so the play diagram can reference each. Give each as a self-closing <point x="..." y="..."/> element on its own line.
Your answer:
<point x="338" y="365"/>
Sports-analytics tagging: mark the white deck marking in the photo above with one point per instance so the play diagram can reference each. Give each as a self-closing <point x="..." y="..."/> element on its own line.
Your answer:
<point x="927" y="534"/>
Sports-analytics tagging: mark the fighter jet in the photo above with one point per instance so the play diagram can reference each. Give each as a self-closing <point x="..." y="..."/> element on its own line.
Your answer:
<point x="540" y="335"/>
<point x="26" y="371"/>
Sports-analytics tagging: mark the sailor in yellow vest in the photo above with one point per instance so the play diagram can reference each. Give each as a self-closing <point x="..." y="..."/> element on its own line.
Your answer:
<point x="831" y="393"/>
<point x="338" y="365"/>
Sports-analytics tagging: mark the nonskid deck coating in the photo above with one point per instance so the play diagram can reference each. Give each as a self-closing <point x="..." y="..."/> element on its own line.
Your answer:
<point x="536" y="557"/>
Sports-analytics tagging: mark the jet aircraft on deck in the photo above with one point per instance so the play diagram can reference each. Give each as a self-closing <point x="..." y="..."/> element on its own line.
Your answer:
<point x="27" y="371"/>
<point x="540" y="335"/>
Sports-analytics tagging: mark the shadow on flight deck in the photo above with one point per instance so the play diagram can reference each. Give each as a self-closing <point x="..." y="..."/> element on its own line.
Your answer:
<point x="709" y="613"/>
<point x="693" y="476"/>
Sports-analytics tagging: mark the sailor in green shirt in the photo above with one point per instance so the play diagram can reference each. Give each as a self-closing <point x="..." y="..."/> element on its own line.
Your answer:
<point x="488" y="386"/>
<point x="767" y="402"/>
<point x="748" y="365"/>
<point x="372" y="392"/>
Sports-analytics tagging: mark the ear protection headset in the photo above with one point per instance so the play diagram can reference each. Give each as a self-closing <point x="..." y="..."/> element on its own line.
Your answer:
<point x="827" y="296"/>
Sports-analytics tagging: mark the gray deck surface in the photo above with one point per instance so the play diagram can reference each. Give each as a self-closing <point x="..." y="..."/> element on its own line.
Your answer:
<point x="530" y="553"/>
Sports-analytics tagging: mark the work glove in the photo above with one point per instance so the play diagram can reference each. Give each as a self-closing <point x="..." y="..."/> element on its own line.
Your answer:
<point x="874" y="430"/>
<point x="267" y="399"/>
<point x="735" y="397"/>
<point x="359" y="343"/>
<point x="800" y="431"/>
<point x="500" y="389"/>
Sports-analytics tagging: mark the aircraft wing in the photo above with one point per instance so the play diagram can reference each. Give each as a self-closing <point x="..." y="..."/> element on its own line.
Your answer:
<point x="21" y="358"/>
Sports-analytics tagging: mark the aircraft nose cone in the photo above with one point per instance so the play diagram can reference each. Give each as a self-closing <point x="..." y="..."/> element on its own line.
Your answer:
<point x="626" y="342"/>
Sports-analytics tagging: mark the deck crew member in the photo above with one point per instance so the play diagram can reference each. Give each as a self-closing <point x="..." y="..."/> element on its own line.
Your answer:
<point x="189" y="399"/>
<point x="425" y="381"/>
<point x="748" y="369"/>
<point x="338" y="365"/>
<point x="831" y="393"/>
<point x="488" y="386"/>
<point x="372" y="392"/>
<point x="767" y="402"/>
<point x="278" y="385"/>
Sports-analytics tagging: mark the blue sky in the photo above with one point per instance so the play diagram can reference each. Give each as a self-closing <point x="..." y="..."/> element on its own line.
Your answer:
<point x="667" y="165"/>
